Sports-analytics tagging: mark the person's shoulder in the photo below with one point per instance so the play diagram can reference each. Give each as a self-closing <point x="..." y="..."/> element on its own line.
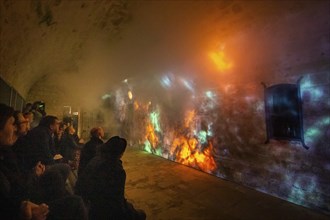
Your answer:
<point x="4" y="183"/>
<point x="38" y="129"/>
<point x="95" y="162"/>
<point x="99" y="141"/>
<point x="88" y="144"/>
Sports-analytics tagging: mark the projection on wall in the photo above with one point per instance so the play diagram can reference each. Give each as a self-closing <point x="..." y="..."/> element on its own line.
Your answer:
<point x="283" y="109"/>
<point x="222" y="131"/>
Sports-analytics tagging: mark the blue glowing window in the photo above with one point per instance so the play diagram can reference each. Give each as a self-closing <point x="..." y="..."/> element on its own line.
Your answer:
<point x="283" y="109"/>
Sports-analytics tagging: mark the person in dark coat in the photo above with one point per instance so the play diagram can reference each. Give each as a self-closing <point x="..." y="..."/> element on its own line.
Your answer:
<point x="62" y="204"/>
<point x="68" y="144"/>
<point x="42" y="144"/>
<point x="19" y="147"/>
<point x="18" y="199"/>
<point x="58" y="136"/>
<point x="41" y="140"/>
<point x="89" y="150"/>
<point x="13" y="185"/>
<point x="102" y="184"/>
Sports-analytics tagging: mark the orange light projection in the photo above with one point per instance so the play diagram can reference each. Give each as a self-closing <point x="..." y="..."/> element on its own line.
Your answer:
<point x="187" y="153"/>
<point x="151" y="136"/>
<point x="184" y="147"/>
<point x="220" y="61"/>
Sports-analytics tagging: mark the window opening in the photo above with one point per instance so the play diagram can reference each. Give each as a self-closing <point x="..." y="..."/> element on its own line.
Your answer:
<point x="283" y="108"/>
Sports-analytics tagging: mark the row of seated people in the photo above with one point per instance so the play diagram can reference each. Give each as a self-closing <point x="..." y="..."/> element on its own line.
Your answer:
<point x="32" y="184"/>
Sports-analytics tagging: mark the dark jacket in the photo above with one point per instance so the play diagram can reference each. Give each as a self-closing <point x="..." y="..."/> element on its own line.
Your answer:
<point x="16" y="186"/>
<point x="42" y="146"/>
<point x="88" y="152"/>
<point x="71" y="207"/>
<point x="22" y="153"/>
<point x="103" y="185"/>
<point x="68" y="146"/>
<point x="13" y="188"/>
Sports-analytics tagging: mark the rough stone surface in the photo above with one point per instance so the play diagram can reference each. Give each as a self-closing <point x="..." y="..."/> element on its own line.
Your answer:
<point x="73" y="52"/>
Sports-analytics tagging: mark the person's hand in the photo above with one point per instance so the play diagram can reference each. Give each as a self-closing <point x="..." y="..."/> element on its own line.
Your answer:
<point x="81" y="141"/>
<point x="39" y="169"/>
<point x="40" y="212"/>
<point x="31" y="211"/>
<point x="57" y="157"/>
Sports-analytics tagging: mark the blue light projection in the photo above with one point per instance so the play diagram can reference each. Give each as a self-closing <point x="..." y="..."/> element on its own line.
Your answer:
<point x="209" y="94"/>
<point x="202" y="137"/>
<point x="317" y="129"/>
<point x="304" y="188"/>
<point x="188" y="85"/>
<point x="166" y="81"/>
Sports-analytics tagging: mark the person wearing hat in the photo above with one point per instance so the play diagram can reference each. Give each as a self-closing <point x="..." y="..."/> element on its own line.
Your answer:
<point x="102" y="184"/>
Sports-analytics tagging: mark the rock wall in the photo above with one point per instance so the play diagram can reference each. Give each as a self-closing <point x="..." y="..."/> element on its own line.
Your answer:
<point x="64" y="53"/>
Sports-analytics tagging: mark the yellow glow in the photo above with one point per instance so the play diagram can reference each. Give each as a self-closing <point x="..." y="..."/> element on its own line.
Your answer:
<point x="136" y="105"/>
<point x="130" y="95"/>
<point x="186" y="153"/>
<point x="151" y="136"/>
<point x="185" y="149"/>
<point x="220" y="61"/>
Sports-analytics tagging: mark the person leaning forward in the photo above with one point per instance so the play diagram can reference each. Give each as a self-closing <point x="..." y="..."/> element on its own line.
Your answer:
<point x="102" y="184"/>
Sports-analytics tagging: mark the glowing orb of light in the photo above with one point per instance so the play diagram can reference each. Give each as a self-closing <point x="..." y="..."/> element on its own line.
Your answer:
<point x="166" y="81"/>
<point x="220" y="61"/>
<point x="209" y="94"/>
<point x="130" y="95"/>
<point x="187" y="84"/>
<point x="106" y="96"/>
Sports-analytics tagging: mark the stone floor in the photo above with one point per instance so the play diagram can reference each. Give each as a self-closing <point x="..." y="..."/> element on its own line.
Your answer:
<point x="169" y="191"/>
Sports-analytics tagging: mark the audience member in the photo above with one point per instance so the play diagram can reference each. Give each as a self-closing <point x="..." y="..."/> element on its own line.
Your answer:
<point x="41" y="142"/>
<point x="102" y="184"/>
<point x="13" y="188"/>
<point x="38" y="113"/>
<point x="89" y="150"/>
<point x="27" y="108"/>
<point x="58" y="136"/>
<point x="68" y="144"/>
<point x="20" y="148"/>
<point x="21" y="123"/>
<point x="29" y="117"/>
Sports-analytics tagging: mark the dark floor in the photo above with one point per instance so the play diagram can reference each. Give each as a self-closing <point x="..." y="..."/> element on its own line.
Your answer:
<point x="168" y="191"/>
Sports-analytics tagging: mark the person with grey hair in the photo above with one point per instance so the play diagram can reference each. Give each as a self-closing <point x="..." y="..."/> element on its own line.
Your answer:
<point x="102" y="184"/>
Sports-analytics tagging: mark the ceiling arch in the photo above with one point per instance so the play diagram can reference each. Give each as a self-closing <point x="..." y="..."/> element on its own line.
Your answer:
<point x="70" y="45"/>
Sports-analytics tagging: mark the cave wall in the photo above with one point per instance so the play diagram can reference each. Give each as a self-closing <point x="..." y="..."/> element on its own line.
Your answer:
<point x="220" y="127"/>
<point x="45" y="45"/>
<point x="56" y="56"/>
<point x="224" y="133"/>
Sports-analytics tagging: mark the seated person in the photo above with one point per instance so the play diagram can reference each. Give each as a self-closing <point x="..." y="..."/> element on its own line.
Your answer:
<point x="13" y="187"/>
<point x="89" y="150"/>
<point x="102" y="184"/>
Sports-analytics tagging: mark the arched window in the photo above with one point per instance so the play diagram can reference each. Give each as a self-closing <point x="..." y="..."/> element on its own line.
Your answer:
<point x="283" y="108"/>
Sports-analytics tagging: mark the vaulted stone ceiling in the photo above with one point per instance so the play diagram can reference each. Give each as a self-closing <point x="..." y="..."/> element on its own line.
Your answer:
<point x="41" y="39"/>
<point x="71" y="46"/>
